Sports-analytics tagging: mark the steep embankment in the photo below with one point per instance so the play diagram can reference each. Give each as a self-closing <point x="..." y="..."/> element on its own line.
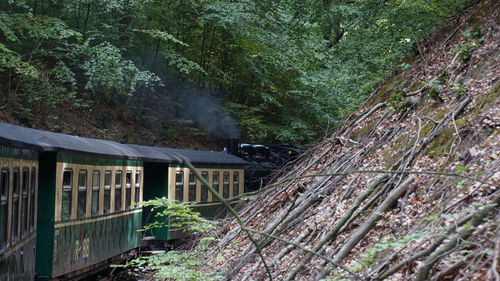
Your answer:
<point x="440" y="116"/>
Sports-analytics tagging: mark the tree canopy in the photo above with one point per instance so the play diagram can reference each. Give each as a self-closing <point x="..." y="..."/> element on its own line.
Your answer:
<point x="286" y="70"/>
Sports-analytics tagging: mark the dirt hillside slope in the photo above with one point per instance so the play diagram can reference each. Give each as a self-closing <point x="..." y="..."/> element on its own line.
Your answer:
<point x="440" y="120"/>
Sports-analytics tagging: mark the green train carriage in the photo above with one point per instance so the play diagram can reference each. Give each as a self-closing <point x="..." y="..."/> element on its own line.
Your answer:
<point x="93" y="217"/>
<point x="169" y="177"/>
<point x="18" y="199"/>
<point x="87" y="190"/>
<point x="68" y="203"/>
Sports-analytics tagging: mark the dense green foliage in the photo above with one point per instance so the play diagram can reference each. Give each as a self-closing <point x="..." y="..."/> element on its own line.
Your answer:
<point x="177" y="264"/>
<point x="181" y="216"/>
<point x="287" y="70"/>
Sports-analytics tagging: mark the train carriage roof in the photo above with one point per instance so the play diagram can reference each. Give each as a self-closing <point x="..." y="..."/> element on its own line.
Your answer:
<point x="180" y="156"/>
<point x="49" y="141"/>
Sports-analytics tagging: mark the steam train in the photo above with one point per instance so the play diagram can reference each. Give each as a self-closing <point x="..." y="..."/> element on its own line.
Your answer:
<point x="68" y="203"/>
<point x="263" y="160"/>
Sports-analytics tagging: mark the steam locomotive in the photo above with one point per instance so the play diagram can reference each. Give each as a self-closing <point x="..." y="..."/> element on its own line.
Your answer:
<point x="263" y="160"/>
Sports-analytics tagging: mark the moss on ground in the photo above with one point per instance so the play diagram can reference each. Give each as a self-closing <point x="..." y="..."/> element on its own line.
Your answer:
<point x="441" y="144"/>
<point x="488" y="100"/>
<point x="387" y="88"/>
<point x="361" y="133"/>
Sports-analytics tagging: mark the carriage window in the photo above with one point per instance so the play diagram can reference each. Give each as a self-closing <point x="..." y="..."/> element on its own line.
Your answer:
<point x="137" y="186"/>
<point x="24" y="202"/>
<point x="107" y="192"/>
<point x="82" y="194"/>
<point x="15" y="206"/>
<point x="4" y="207"/>
<point x="179" y="186"/>
<point x="192" y="188"/>
<point x="32" y="199"/>
<point x="225" y="184"/>
<point x="96" y="183"/>
<point x="128" y="189"/>
<point x="118" y="190"/>
<point x="66" y="194"/>
<point x="236" y="184"/>
<point x="215" y="183"/>
<point x="204" y="188"/>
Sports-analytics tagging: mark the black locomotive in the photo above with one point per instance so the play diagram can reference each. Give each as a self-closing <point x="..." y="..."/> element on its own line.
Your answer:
<point x="263" y="160"/>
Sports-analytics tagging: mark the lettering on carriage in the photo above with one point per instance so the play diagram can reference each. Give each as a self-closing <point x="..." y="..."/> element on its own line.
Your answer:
<point x="82" y="250"/>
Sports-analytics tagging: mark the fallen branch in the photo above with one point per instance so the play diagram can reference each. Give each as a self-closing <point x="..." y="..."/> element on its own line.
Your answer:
<point x="424" y="252"/>
<point x="357" y="277"/>
<point x="488" y="174"/>
<point x="281" y="254"/>
<point x="449" y="36"/>
<point x="410" y="156"/>
<point x="420" y="50"/>
<point x="462" y="234"/>
<point x="414" y="93"/>
<point x="496" y="260"/>
<point x="308" y="199"/>
<point x="430" y="119"/>
<point x="361" y="232"/>
<point x="301" y="172"/>
<point x="233" y="212"/>
<point x="346" y="120"/>
<point x="404" y="172"/>
<point x="333" y="232"/>
<point x="364" y="116"/>
<point x="454" y="267"/>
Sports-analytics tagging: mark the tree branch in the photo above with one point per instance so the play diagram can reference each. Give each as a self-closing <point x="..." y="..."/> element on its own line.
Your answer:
<point x="233" y="212"/>
<point x="333" y="232"/>
<point x="462" y="234"/>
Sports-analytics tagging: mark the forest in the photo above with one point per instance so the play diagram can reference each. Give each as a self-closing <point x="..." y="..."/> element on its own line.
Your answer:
<point x="271" y="71"/>
<point x="395" y="103"/>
